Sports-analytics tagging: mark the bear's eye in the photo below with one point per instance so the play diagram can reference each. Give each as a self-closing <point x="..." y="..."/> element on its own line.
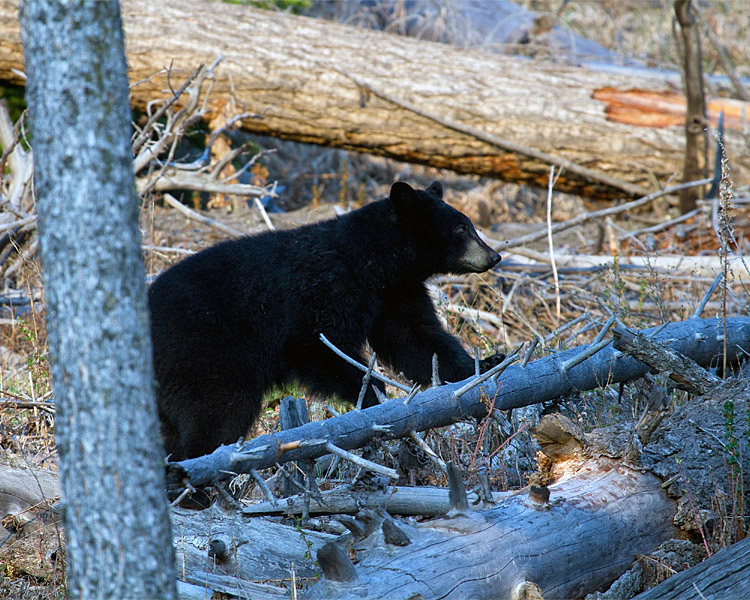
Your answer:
<point x="462" y="229"/>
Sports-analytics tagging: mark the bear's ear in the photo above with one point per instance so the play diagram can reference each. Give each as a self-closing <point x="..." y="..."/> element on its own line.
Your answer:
<point x="402" y="196"/>
<point x="436" y="189"/>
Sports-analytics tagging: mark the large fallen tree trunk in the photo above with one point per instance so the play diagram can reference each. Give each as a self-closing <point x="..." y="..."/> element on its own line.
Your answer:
<point x="313" y="81"/>
<point x="586" y="535"/>
<point x="584" y="529"/>
<point x="544" y="379"/>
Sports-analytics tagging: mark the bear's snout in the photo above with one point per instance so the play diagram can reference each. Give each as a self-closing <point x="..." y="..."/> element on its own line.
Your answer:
<point x="478" y="257"/>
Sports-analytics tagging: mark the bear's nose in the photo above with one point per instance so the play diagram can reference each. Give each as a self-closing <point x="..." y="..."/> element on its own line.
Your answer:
<point x="495" y="258"/>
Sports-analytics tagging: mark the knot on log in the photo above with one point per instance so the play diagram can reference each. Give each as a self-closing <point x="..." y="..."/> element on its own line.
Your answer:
<point x="393" y="534"/>
<point x="527" y="590"/>
<point x="336" y="565"/>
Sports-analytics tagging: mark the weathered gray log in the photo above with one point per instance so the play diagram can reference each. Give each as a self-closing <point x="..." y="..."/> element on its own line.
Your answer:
<point x="700" y="449"/>
<point x="397" y="500"/>
<point x="21" y="488"/>
<point x="518" y="386"/>
<point x="256" y="549"/>
<point x="720" y="577"/>
<point x="200" y="585"/>
<point x="600" y="515"/>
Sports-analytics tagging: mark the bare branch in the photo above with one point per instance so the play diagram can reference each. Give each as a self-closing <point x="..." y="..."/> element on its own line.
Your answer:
<point x="174" y="203"/>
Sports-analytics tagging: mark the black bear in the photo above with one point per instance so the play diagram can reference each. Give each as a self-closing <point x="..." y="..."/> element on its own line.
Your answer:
<point x="232" y="320"/>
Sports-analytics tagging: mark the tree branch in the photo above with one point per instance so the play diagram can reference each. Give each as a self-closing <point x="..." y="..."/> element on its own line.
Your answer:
<point x="700" y="339"/>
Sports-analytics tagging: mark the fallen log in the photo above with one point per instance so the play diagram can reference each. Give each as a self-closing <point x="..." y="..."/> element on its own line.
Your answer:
<point x="581" y="534"/>
<point x="314" y="81"/>
<point x="604" y="500"/>
<point x="424" y="501"/>
<point x="545" y="379"/>
<point x="224" y="543"/>
<point x="681" y="370"/>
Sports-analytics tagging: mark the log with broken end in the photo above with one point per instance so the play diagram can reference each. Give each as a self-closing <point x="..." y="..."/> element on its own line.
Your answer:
<point x="581" y="533"/>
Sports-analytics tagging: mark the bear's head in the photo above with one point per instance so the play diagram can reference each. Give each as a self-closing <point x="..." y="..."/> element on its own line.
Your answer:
<point x="444" y="238"/>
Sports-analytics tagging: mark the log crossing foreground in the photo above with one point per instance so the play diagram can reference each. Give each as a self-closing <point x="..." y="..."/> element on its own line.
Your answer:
<point x="540" y="380"/>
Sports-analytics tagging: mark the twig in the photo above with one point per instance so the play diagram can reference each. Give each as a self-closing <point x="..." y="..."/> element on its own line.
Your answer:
<point x="361" y="462"/>
<point x="260" y="482"/>
<point x="708" y="295"/>
<point x="191" y="214"/>
<point x="365" y="382"/>
<point x="264" y="214"/>
<point x="721" y="53"/>
<point x="410" y="396"/>
<point x="661" y="226"/>
<point x="474" y="313"/>
<point x="428" y="451"/>
<point x="605" y="329"/>
<point x="201" y="182"/>
<point x="550" y="244"/>
<point x="587" y="353"/>
<point x="530" y="352"/>
<point x="624" y="233"/>
<point x="20" y="162"/>
<point x="496" y="370"/>
<point x="189" y="489"/>
<point x="146" y="131"/>
<point x="435" y="371"/>
<point x="45" y="406"/>
<point x="18" y="224"/>
<point x="613" y="210"/>
<point x="153" y="248"/>
<point x="359" y="365"/>
<point x="174" y="122"/>
<point x="566" y="326"/>
<point x="228" y="158"/>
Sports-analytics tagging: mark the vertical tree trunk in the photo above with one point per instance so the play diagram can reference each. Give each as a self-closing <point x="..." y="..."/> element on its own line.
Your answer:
<point x="696" y="139"/>
<point x="111" y="465"/>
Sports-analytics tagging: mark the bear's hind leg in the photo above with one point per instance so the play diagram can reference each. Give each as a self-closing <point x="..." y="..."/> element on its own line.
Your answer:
<point x="226" y="416"/>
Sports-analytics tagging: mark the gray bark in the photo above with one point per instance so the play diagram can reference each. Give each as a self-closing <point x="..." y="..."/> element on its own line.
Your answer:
<point x="598" y="518"/>
<point x="116" y="520"/>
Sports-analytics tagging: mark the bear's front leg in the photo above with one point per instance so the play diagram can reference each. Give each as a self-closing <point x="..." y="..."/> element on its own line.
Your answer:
<point x="327" y="374"/>
<point x="407" y="333"/>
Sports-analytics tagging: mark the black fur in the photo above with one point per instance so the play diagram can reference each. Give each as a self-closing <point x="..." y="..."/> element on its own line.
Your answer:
<point x="232" y="320"/>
